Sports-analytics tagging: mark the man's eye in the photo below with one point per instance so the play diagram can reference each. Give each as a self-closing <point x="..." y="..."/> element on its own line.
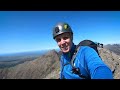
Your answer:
<point x="65" y="38"/>
<point x="58" y="40"/>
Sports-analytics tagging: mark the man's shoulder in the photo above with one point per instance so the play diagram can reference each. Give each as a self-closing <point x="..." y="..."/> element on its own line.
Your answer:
<point x="84" y="48"/>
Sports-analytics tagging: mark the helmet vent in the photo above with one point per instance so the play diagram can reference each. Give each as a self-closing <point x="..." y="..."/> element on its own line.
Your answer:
<point x="56" y="29"/>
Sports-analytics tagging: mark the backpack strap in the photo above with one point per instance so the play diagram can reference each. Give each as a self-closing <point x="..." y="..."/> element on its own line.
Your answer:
<point x="74" y="55"/>
<point x="74" y="69"/>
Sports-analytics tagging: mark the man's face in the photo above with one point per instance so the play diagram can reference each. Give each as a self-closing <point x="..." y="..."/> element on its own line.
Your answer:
<point x="64" y="42"/>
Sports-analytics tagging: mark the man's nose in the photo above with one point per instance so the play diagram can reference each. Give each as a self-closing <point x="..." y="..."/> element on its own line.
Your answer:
<point x="62" y="41"/>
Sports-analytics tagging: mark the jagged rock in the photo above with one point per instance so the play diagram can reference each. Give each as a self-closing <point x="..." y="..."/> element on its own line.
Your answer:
<point x="112" y="60"/>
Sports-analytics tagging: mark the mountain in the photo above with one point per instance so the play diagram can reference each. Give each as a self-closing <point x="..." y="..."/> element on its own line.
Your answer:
<point x="36" y="69"/>
<point x="47" y="66"/>
<point x="12" y="59"/>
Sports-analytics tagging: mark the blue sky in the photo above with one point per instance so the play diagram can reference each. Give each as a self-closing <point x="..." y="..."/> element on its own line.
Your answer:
<point x="32" y="30"/>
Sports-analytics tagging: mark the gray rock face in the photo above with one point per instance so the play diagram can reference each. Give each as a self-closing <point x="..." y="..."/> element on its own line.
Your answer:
<point x="112" y="60"/>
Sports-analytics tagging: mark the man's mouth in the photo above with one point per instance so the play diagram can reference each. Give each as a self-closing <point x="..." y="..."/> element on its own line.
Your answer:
<point x="64" y="48"/>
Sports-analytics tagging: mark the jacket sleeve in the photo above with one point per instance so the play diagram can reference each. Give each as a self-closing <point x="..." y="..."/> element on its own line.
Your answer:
<point x="96" y="67"/>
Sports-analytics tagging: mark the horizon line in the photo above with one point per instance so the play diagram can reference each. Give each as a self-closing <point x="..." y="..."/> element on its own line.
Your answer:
<point x="27" y="51"/>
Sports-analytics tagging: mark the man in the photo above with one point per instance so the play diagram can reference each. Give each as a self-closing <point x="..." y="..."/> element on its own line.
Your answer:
<point x="87" y="61"/>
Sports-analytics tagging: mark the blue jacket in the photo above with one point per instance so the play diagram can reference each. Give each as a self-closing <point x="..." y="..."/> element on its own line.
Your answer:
<point x="89" y="63"/>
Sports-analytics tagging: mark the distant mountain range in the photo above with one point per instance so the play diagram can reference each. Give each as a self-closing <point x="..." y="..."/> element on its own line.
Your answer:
<point x="22" y="55"/>
<point x="12" y="59"/>
<point x="114" y="48"/>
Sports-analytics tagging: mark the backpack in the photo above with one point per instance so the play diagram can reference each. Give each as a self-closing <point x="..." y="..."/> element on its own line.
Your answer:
<point x="82" y="43"/>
